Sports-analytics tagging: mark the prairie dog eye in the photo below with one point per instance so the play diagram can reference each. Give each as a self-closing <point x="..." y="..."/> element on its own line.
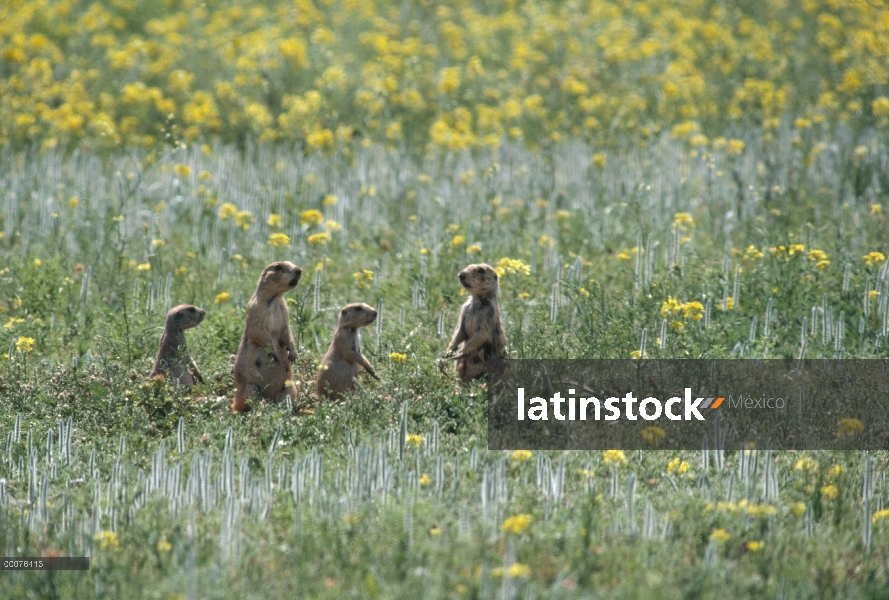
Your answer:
<point x="278" y="267"/>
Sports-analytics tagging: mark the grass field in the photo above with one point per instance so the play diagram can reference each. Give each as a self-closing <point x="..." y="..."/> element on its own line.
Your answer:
<point x="623" y="224"/>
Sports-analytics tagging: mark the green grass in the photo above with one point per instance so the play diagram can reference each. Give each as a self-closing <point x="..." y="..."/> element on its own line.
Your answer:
<point x="203" y="504"/>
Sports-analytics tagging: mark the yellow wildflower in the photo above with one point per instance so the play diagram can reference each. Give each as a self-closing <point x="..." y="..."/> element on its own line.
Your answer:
<point x="13" y="322"/>
<point x="653" y="434"/>
<point x="678" y="465"/>
<point x="24" y="344"/>
<point x="873" y="258"/>
<point x="310" y="217"/>
<point x="720" y="535"/>
<point x="107" y="540"/>
<point x="398" y="357"/>
<point x="806" y="464"/>
<point x="829" y="491"/>
<point x="222" y="297"/>
<point x="511" y="266"/>
<point x="614" y="456"/>
<point x="274" y="220"/>
<point x="517" y="570"/>
<point x="880" y="515"/>
<point x="520" y="455"/>
<point x="227" y="210"/>
<point x="243" y="218"/>
<point x="415" y="440"/>
<point x="683" y="220"/>
<point x="279" y="240"/>
<point x="848" y="426"/>
<point x="363" y="278"/>
<point x="318" y="238"/>
<point x="516" y="524"/>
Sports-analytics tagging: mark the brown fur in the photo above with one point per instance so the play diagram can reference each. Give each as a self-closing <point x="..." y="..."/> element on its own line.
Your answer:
<point x="480" y="329"/>
<point x="173" y="359"/>
<point x="265" y="358"/>
<point x="339" y="367"/>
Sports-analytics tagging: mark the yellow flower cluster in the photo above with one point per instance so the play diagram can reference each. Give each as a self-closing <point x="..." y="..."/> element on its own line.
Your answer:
<point x="363" y="278"/>
<point x="616" y="457"/>
<point x="415" y="440"/>
<point x="516" y="524"/>
<point x="107" y="540"/>
<point x="720" y="535"/>
<point x="873" y="258"/>
<point x="806" y="464"/>
<point x="24" y="344"/>
<point x="520" y="456"/>
<point x="653" y="434"/>
<point x="242" y="218"/>
<point x="849" y="426"/>
<point x="279" y="240"/>
<point x="677" y="465"/>
<point x="685" y="310"/>
<point x="819" y="258"/>
<point x="104" y="74"/>
<point x="511" y="266"/>
<point x="742" y="506"/>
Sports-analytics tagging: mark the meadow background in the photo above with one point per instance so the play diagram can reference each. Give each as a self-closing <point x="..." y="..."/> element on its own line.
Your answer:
<point x="679" y="179"/>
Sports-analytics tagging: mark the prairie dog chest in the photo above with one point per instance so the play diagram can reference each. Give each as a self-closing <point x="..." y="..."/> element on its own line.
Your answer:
<point x="477" y="315"/>
<point x="271" y="317"/>
<point x="347" y="340"/>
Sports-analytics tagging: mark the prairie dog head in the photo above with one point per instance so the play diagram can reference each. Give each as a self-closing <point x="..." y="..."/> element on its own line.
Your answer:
<point x="480" y="280"/>
<point x="357" y="315"/>
<point x="278" y="278"/>
<point x="184" y="316"/>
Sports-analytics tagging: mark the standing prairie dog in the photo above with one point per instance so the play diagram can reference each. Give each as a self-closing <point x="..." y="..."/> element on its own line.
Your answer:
<point x="479" y="329"/>
<point x="265" y="358"/>
<point x="173" y="359"/>
<point x="339" y="367"/>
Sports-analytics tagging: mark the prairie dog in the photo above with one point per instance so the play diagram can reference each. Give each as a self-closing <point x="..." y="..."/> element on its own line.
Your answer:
<point x="480" y="329"/>
<point x="339" y="367"/>
<point x="173" y="359"/>
<point x="265" y="358"/>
